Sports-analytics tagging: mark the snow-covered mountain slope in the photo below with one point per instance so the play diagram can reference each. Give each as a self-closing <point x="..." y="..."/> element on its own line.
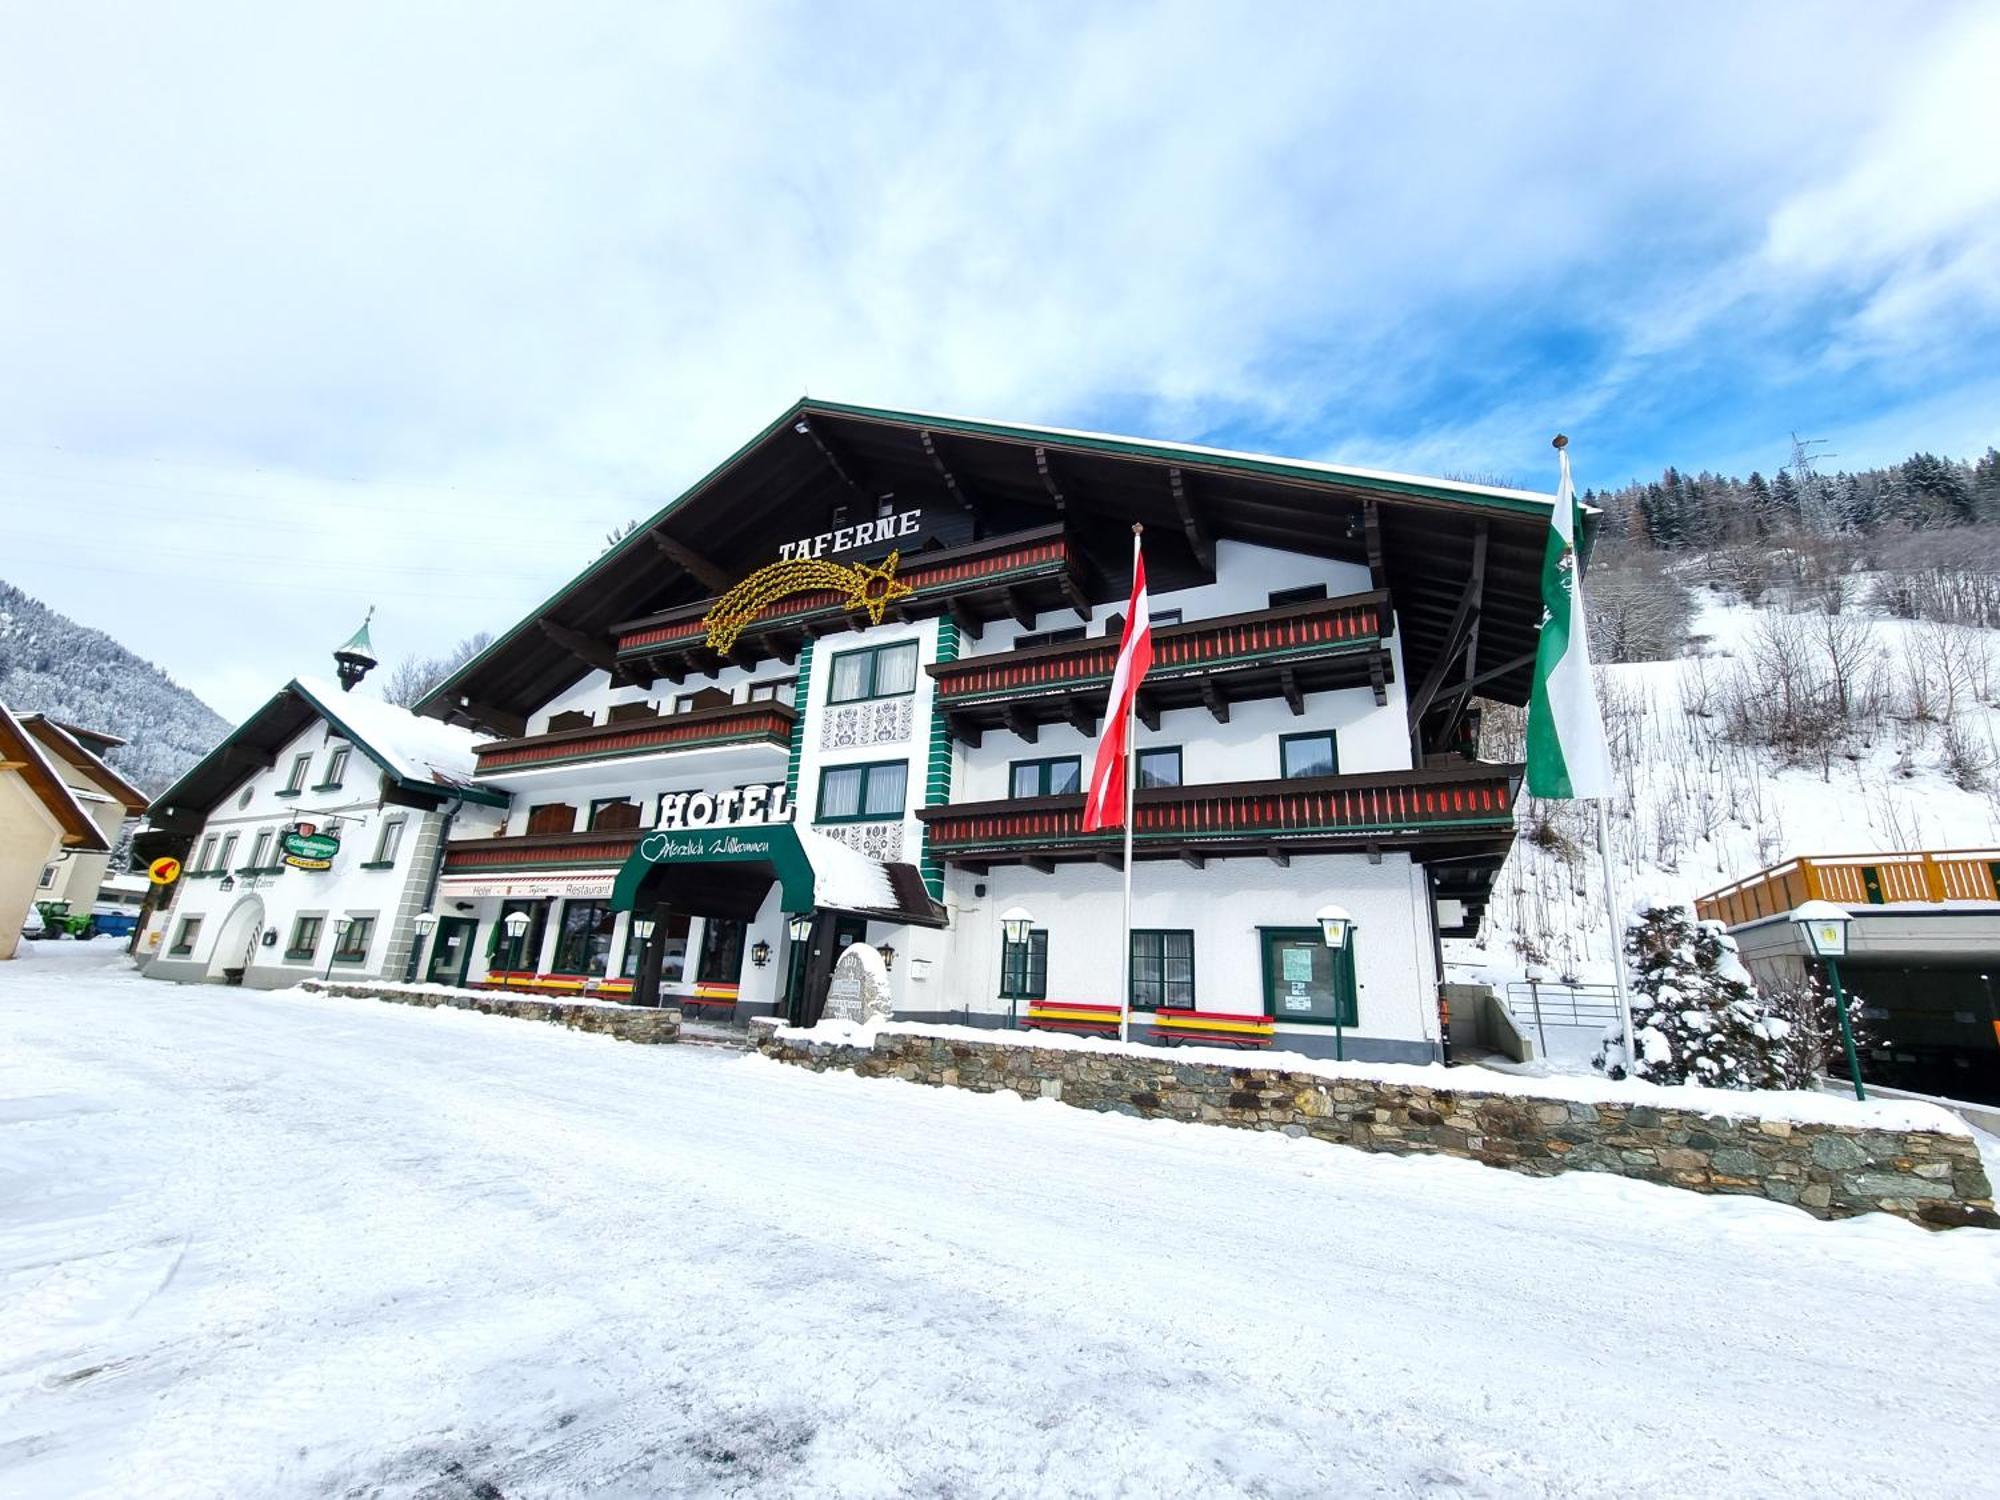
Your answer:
<point x="50" y="664"/>
<point x="1778" y="734"/>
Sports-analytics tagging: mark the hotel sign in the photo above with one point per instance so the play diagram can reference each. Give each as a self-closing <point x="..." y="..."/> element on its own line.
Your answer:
<point x="862" y="536"/>
<point x="759" y="802"/>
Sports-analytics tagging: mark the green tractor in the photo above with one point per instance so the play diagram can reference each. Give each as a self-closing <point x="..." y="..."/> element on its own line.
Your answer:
<point x="59" y="921"/>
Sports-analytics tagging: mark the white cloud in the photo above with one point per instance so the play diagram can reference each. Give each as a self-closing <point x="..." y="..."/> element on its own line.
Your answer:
<point x="468" y="285"/>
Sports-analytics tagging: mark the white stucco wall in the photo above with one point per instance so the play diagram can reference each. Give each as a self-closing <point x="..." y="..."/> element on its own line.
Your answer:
<point x="30" y="837"/>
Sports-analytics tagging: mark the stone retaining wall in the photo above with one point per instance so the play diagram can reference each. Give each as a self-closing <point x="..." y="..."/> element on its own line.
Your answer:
<point x="628" y="1023"/>
<point x="1830" y="1170"/>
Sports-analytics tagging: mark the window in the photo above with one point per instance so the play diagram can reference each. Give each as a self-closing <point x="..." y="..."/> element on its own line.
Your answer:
<point x="552" y="817"/>
<point x="525" y="951"/>
<point x="184" y="939"/>
<point x="1045" y="778"/>
<point x="1162" y="969"/>
<point x="48" y="876"/>
<point x="614" y="813"/>
<point x="260" y="852"/>
<point x="1308" y="755"/>
<point x="228" y="852"/>
<point x="1305" y="595"/>
<point x="206" y="860"/>
<point x="874" y="672"/>
<point x="304" y="946"/>
<point x="1050" y="637"/>
<point x="353" y="945"/>
<point x="386" y="845"/>
<point x="1163" y="617"/>
<point x="777" y="690"/>
<point x="859" y="794"/>
<point x="301" y="764"/>
<point x="1160" y="767"/>
<point x="721" y="952"/>
<point x="673" y="957"/>
<point x="336" y="770"/>
<point x="583" y="943"/>
<point x="1024" y="967"/>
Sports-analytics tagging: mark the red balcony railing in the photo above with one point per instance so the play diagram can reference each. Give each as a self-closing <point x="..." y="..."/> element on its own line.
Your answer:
<point x="1044" y="554"/>
<point x="1261" y="640"/>
<point x="703" y="728"/>
<point x="1385" y="808"/>
<point x="539" y="851"/>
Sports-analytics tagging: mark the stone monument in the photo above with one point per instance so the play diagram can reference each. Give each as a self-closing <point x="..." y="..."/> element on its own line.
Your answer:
<point x="860" y="987"/>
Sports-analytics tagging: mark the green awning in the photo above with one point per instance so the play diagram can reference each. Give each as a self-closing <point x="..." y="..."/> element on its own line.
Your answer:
<point x="776" y="845"/>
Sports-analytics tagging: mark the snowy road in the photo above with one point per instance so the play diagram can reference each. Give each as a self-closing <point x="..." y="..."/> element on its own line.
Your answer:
<point x="275" y="1245"/>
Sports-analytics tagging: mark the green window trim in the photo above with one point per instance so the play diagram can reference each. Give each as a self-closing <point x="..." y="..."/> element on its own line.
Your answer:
<point x="298" y="951"/>
<point x="295" y="783"/>
<point x="351" y="946"/>
<point x="376" y="864"/>
<point x="1156" y="939"/>
<point x="1044" y="769"/>
<point x="1160" y="752"/>
<point x="862" y="812"/>
<point x="873" y="672"/>
<point x="1342" y="977"/>
<point x="1333" y="752"/>
<point x="1024" y="967"/>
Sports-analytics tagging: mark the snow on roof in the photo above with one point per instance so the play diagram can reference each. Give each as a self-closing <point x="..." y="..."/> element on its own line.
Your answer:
<point x="844" y="877"/>
<point x="411" y="747"/>
<point x="1334" y="471"/>
<point x="62" y="800"/>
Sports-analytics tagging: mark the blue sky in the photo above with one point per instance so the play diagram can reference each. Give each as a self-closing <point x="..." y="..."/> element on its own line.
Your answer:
<point x="303" y="309"/>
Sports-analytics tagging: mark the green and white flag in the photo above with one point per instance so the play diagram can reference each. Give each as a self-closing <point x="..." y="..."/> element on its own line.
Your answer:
<point x="1567" y="756"/>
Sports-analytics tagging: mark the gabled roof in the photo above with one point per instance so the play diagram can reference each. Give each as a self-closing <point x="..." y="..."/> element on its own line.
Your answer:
<point x="1426" y="536"/>
<point x="65" y="742"/>
<point x="419" y="756"/>
<point x="20" y="752"/>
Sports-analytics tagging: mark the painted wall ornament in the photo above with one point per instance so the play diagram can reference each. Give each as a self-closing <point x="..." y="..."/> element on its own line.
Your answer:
<point x="867" y="586"/>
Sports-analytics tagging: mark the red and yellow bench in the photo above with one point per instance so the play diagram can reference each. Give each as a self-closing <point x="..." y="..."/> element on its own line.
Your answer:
<point x="1071" y="1015"/>
<point x="1213" y="1028"/>
<point x="708" y="996"/>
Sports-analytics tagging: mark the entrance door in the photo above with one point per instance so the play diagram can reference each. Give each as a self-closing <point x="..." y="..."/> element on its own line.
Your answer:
<point x="809" y="970"/>
<point x="451" y="951"/>
<point x="1304" y="980"/>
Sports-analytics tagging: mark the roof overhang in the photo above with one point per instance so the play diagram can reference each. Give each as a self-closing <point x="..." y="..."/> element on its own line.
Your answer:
<point x="1422" y="539"/>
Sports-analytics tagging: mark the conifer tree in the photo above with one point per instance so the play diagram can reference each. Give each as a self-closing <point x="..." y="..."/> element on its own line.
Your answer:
<point x="1695" y="1017"/>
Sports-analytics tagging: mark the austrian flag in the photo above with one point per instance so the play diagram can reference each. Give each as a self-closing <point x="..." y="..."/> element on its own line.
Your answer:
<point x="1109" y="776"/>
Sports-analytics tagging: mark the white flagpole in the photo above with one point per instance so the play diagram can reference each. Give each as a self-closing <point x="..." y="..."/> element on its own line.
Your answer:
<point x="1131" y="760"/>
<point x="1611" y="905"/>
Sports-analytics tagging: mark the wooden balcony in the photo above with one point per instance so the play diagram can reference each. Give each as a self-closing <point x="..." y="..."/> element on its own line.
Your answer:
<point x="540" y="851"/>
<point x="1466" y="810"/>
<point x="767" y="723"/>
<point x="1019" y="575"/>
<point x="1857" y="880"/>
<point x="1267" y="653"/>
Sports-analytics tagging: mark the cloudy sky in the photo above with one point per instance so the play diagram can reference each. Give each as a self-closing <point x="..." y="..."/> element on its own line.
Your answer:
<point x="408" y="304"/>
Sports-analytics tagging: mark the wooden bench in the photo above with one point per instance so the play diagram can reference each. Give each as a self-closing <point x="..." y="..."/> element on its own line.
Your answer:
<point x="712" y="997"/>
<point x="1213" y="1028"/>
<point x="1069" y="1015"/>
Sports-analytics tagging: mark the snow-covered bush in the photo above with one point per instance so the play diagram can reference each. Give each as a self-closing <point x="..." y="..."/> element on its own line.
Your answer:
<point x="1812" y="1048"/>
<point x="1695" y="1016"/>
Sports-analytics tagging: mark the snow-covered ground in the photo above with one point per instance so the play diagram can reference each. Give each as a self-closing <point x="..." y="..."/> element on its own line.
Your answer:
<point x="262" y="1244"/>
<point x="1696" y="810"/>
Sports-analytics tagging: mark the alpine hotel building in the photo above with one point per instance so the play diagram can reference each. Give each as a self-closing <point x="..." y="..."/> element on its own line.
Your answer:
<point x="846" y="689"/>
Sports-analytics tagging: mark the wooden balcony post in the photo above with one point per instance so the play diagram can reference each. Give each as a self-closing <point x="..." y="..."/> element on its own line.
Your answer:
<point x="1933" y="878"/>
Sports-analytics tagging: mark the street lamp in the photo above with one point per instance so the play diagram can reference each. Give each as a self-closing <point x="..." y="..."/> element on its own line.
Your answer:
<point x="425" y="921"/>
<point x="1335" y="928"/>
<point x="340" y="926"/>
<point x="1824" y="926"/>
<point x="800" y="926"/>
<point x="517" y="924"/>
<point x="642" y="928"/>
<point x="1017" y="922"/>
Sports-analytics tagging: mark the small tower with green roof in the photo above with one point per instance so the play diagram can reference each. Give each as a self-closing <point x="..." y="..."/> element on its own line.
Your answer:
<point x="357" y="658"/>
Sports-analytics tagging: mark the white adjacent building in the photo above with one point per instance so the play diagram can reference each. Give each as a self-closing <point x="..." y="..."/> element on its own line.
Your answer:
<point x="847" y="687"/>
<point x="311" y="839"/>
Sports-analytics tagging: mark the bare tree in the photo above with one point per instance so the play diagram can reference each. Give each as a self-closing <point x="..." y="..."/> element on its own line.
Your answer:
<point x="414" y="676"/>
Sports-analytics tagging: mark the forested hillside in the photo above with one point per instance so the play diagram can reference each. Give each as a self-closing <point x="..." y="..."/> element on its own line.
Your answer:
<point x="1806" y="664"/>
<point x="51" y="664"/>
